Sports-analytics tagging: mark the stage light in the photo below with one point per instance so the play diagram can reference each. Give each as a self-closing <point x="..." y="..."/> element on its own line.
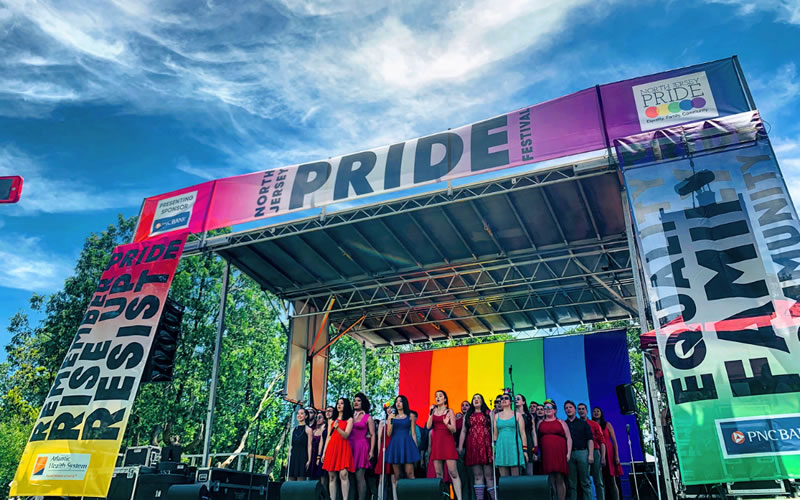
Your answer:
<point x="10" y="189"/>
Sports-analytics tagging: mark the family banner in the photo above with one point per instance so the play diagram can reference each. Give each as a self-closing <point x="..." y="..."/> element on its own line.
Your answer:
<point x="584" y="123"/>
<point x="719" y="243"/>
<point x="75" y="441"/>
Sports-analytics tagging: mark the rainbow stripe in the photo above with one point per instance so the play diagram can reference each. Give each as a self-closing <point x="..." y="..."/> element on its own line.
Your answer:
<point x="583" y="368"/>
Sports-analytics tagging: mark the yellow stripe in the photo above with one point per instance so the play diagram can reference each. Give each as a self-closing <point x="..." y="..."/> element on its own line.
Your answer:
<point x="485" y="372"/>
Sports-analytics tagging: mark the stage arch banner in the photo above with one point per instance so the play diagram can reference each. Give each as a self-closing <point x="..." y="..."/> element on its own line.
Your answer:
<point x="584" y="368"/>
<point x="580" y="126"/>
<point x="719" y="242"/>
<point x="75" y="441"/>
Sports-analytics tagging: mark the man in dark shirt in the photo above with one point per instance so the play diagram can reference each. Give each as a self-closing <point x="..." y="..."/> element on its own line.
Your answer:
<point x="599" y="451"/>
<point x="582" y="454"/>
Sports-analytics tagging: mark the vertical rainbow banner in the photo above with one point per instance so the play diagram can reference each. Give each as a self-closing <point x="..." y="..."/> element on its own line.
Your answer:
<point x="583" y="368"/>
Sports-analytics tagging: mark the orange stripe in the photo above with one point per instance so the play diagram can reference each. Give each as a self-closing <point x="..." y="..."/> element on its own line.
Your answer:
<point x="449" y="374"/>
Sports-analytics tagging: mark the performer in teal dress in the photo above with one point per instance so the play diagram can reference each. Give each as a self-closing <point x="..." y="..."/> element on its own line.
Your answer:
<point x="507" y="425"/>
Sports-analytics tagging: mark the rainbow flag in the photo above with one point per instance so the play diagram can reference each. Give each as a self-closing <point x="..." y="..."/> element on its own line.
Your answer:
<point x="583" y="368"/>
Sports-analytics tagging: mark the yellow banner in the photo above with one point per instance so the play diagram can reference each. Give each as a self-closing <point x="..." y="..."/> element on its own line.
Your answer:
<point x="74" y="445"/>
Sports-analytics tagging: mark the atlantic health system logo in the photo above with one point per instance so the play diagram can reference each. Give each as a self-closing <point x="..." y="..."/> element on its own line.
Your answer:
<point x="674" y="101"/>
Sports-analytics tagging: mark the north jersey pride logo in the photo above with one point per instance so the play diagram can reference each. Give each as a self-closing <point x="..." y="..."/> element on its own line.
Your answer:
<point x="673" y="101"/>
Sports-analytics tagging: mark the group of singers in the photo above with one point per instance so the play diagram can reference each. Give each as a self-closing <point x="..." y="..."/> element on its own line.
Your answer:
<point x="513" y="438"/>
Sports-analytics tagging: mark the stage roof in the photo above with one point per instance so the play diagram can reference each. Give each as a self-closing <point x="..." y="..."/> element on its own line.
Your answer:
<point x="536" y="250"/>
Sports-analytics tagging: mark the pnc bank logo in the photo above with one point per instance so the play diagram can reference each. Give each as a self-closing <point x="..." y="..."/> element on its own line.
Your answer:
<point x="737" y="437"/>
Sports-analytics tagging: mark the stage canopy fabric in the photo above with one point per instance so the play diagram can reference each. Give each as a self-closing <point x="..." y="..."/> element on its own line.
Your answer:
<point x="582" y="368"/>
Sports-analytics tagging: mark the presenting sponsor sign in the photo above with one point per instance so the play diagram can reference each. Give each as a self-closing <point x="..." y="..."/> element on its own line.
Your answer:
<point x="762" y="436"/>
<point x="719" y="243"/>
<point x="173" y="213"/>
<point x="76" y="438"/>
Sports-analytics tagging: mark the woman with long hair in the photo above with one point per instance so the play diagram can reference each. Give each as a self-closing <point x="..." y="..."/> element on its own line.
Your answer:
<point x="510" y="441"/>
<point x="611" y="466"/>
<point x="402" y="449"/>
<point x="319" y="433"/>
<point x="338" y="456"/>
<point x="556" y="444"/>
<point x="300" y="459"/>
<point x="476" y="443"/>
<point x="442" y="423"/>
<point x="530" y="433"/>
<point x="362" y="440"/>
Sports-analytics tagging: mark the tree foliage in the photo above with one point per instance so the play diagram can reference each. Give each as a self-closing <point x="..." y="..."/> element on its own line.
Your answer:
<point x="251" y="368"/>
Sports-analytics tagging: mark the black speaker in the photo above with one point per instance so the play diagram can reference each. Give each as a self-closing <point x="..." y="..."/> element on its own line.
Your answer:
<point x="524" y="487"/>
<point x="225" y="484"/>
<point x="187" y="492"/>
<point x="161" y="360"/>
<point x="420" y="489"/>
<point x="151" y="486"/>
<point x="626" y="400"/>
<point x="302" y="490"/>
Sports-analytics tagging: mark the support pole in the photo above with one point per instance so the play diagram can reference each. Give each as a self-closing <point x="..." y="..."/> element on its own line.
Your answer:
<point x="652" y="406"/>
<point x="363" y="367"/>
<point x="212" y="396"/>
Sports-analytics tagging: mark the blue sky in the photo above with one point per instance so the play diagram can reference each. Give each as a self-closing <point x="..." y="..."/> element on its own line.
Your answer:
<point x="104" y="103"/>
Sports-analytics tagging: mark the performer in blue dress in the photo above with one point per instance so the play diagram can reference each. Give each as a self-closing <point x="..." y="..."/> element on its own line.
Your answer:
<point x="402" y="449"/>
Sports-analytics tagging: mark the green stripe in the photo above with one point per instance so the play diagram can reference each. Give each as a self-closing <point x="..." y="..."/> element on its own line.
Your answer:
<point x="527" y="359"/>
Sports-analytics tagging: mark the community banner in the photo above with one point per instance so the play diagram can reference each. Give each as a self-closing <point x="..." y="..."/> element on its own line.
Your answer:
<point x="583" y="122"/>
<point x="75" y="441"/>
<point x="719" y="243"/>
<point x="582" y="368"/>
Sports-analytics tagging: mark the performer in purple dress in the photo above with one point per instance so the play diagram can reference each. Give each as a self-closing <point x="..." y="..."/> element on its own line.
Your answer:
<point x="362" y="440"/>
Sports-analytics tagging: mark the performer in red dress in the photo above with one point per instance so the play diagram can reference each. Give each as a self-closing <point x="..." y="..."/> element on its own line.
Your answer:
<point x="612" y="468"/>
<point x="476" y="439"/>
<point x="442" y="421"/>
<point x="338" y="456"/>
<point x="556" y="444"/>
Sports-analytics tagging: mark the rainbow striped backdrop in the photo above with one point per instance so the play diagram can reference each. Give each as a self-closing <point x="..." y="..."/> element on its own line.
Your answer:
<point x="584" y="368"/>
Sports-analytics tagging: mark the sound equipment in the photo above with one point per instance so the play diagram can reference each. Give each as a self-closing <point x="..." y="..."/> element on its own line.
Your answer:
<point x="626" y="400"/>
<point x="177" y="468"/>
<point x="161" y="361"/>
<point x="302" y="490"/>
<point x="224" y="484"/>
<point x="643" y="480"/>
<point x="188" y="492"/>
<point x="142" y="483"/>
<point x="420" y="489"/>
<point x="147" y="456"/>
<point x="524" y="487"/>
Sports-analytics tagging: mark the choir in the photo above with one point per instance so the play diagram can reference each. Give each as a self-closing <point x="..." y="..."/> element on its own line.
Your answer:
<point x="471" y="446"/>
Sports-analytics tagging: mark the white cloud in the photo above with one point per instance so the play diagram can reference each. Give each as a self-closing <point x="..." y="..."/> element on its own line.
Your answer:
<point x="774" y="93"/>
<point x="346" y="74"/>
<point x="787" y="11"/>
<point x="26" y="266"/>
<point x="49" y="192"/>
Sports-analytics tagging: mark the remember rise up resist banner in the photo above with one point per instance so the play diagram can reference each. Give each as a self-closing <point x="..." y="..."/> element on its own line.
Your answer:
<point x="73" y="448"/>
<point x="719" y="243"/>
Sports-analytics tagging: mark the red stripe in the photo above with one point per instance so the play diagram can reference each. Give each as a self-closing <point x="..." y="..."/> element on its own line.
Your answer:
<point x="415" y="380"/>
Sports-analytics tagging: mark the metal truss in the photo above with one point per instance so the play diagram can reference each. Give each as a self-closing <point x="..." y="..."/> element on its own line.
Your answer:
<point x="497" y="306"/>
<point x="451" y="195"/>
<point x="500" y="276"/>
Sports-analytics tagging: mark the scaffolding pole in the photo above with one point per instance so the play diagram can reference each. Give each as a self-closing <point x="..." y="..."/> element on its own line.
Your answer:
<point x="212" y="396"/>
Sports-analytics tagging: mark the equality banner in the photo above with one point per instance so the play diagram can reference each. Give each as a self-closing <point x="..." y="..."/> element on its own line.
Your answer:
<point x="582" y="368"/>
<point x="73" y="448"/>
<point x="719" y="244"/>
